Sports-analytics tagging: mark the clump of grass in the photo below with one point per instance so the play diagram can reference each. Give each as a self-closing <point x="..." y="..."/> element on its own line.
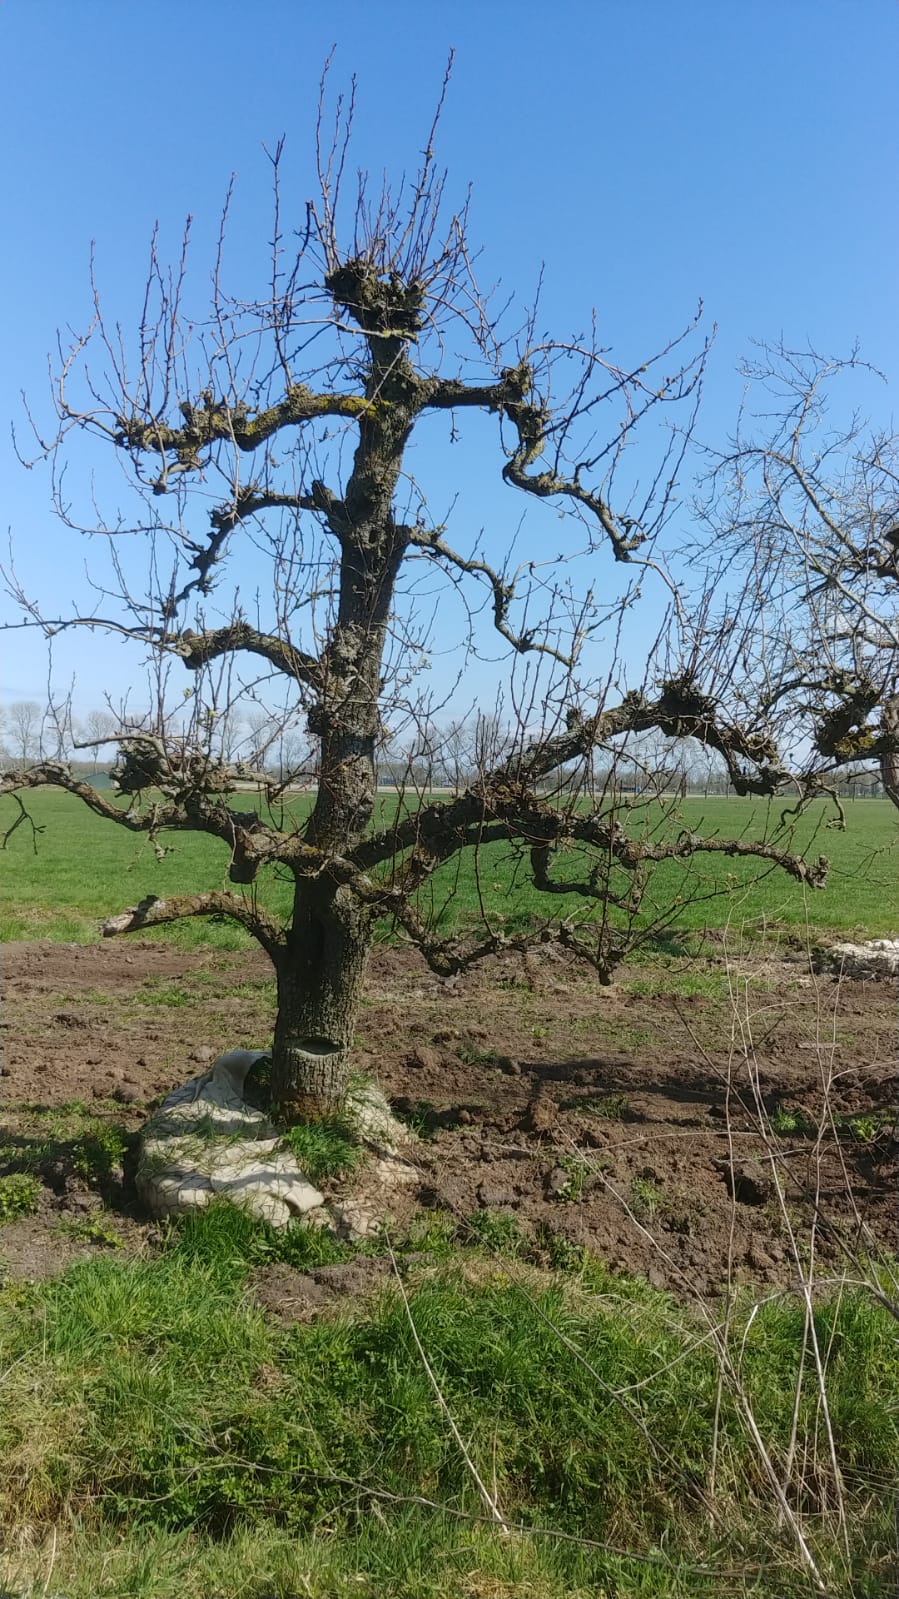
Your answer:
<point x="791" y="1123"/>
<point x="611" y="1107"/>
<point x="328" y="1148"/>
<point x="20" y="1195"/>
<point x="228" y="1241"/>
<point x="495" y="1230"/>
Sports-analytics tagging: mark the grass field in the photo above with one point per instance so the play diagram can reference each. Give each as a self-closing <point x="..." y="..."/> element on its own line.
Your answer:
<point x="184" y="1445"/>
<point x="62" y="881"/>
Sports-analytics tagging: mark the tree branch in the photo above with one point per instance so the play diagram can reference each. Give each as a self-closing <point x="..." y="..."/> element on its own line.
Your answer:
<point x="197" y="649"/>
<point x="434" y="544"/>
<point x="215" y="421"/>
<point x="153" y="912"/>
<point x="531" y="423"/>
<point x="192" y="787"/>
<point x="450" y="394"/>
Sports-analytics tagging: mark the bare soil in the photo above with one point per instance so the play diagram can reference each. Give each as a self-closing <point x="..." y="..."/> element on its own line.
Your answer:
<point x="627" y="1119"/>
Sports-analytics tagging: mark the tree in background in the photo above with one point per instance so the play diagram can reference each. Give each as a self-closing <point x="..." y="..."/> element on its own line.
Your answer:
<point x="811" y="511"/>
<point x="23" y="722"/>
<point x="277" y="431"/>
<point x="97" y="729"/>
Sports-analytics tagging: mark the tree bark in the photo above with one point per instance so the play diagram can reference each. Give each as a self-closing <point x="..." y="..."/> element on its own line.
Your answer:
<point x="889" y="763"/>
<point x="320" y="976"/>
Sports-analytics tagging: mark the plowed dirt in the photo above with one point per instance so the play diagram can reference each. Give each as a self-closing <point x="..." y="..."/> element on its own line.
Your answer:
<point x="689" y="1124"/>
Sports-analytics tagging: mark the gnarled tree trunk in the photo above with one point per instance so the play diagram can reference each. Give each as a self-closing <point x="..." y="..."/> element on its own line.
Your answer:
<point x="320" y="975"/>
<point x="889" y="762"/>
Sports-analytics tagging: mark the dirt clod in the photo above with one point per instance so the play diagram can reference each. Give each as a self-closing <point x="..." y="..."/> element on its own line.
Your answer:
<point x="747" y="1181"/>
<point x="541" y="1115"/>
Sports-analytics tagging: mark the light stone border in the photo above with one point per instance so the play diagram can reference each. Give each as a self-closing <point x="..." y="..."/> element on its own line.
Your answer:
<point x="205" y="1142"/>
<point x="875" y="959"/>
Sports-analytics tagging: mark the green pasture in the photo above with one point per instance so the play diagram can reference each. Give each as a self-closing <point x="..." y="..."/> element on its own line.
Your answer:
<point x="164" y="1439"/>
<point x="60" y="878"/>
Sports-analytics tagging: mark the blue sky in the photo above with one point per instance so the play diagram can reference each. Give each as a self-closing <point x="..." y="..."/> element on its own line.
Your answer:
<point x="647" y="152"/>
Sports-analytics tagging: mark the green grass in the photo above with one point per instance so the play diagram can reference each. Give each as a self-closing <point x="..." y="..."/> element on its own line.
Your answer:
<point x="179" y="1442"/>
<point x="49" y="893"/>
<point x="69" y="1138"/>
<point x="610" y="1107"/>
<point x="326" y="1148"/>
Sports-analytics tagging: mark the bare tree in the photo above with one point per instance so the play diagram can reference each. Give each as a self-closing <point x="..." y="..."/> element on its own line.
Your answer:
<point x="810" y="511"/>
<point x="24" y="719"/>
<point x="296" y="411"/>
<point x="97" y="729"/>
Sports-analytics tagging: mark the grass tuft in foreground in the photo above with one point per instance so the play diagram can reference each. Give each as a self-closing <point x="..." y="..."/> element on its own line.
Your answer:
<point x="323" y="1149"/>
<point x="176" y="1441"/>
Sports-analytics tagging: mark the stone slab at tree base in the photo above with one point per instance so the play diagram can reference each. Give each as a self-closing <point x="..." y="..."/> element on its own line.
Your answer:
<point x="877" y="958"/>
<point x="205" y="1142"/>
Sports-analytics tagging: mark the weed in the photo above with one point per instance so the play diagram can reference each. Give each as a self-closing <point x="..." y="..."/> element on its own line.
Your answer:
<point x="156" y="991"/>
<point x="423" y="1116"/>
<point x="473" y="1055"/>
<point x="867" y="1126"/>
<point x="327" y="1148"/>
<point x="418" y="1114"/>
<point x="100" y="1151"/>
<point x="565" y="1255"/>
<point x="792" y="1123"/>
<point x="611" y="1107"/>
<point x="70" y="1139"/>
<point x="431" y="1233"/>
<point x="495" y="1229"/>
<point x="93" y="1230"/>
<point x="708" y="985"/>
<point x="58" y="1113"/>
<point x="578" y="1175"/>
<point x="647" y="1195"/>
<point x="19" y="1196"/>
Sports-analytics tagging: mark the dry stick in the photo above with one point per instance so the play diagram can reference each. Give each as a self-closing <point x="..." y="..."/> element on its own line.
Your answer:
<point x="729" y="1301"/>
<point x="746" y="1044"/>
<point x="487" y="1498"/>
<point x="805" y="1279"/>
<point x="820" y="1365"/>
<point x="653" y="1561"/>
<point x="797" y="1396"/>
<point x="51" y="1564"/>
<point x="743" y="1401"/>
